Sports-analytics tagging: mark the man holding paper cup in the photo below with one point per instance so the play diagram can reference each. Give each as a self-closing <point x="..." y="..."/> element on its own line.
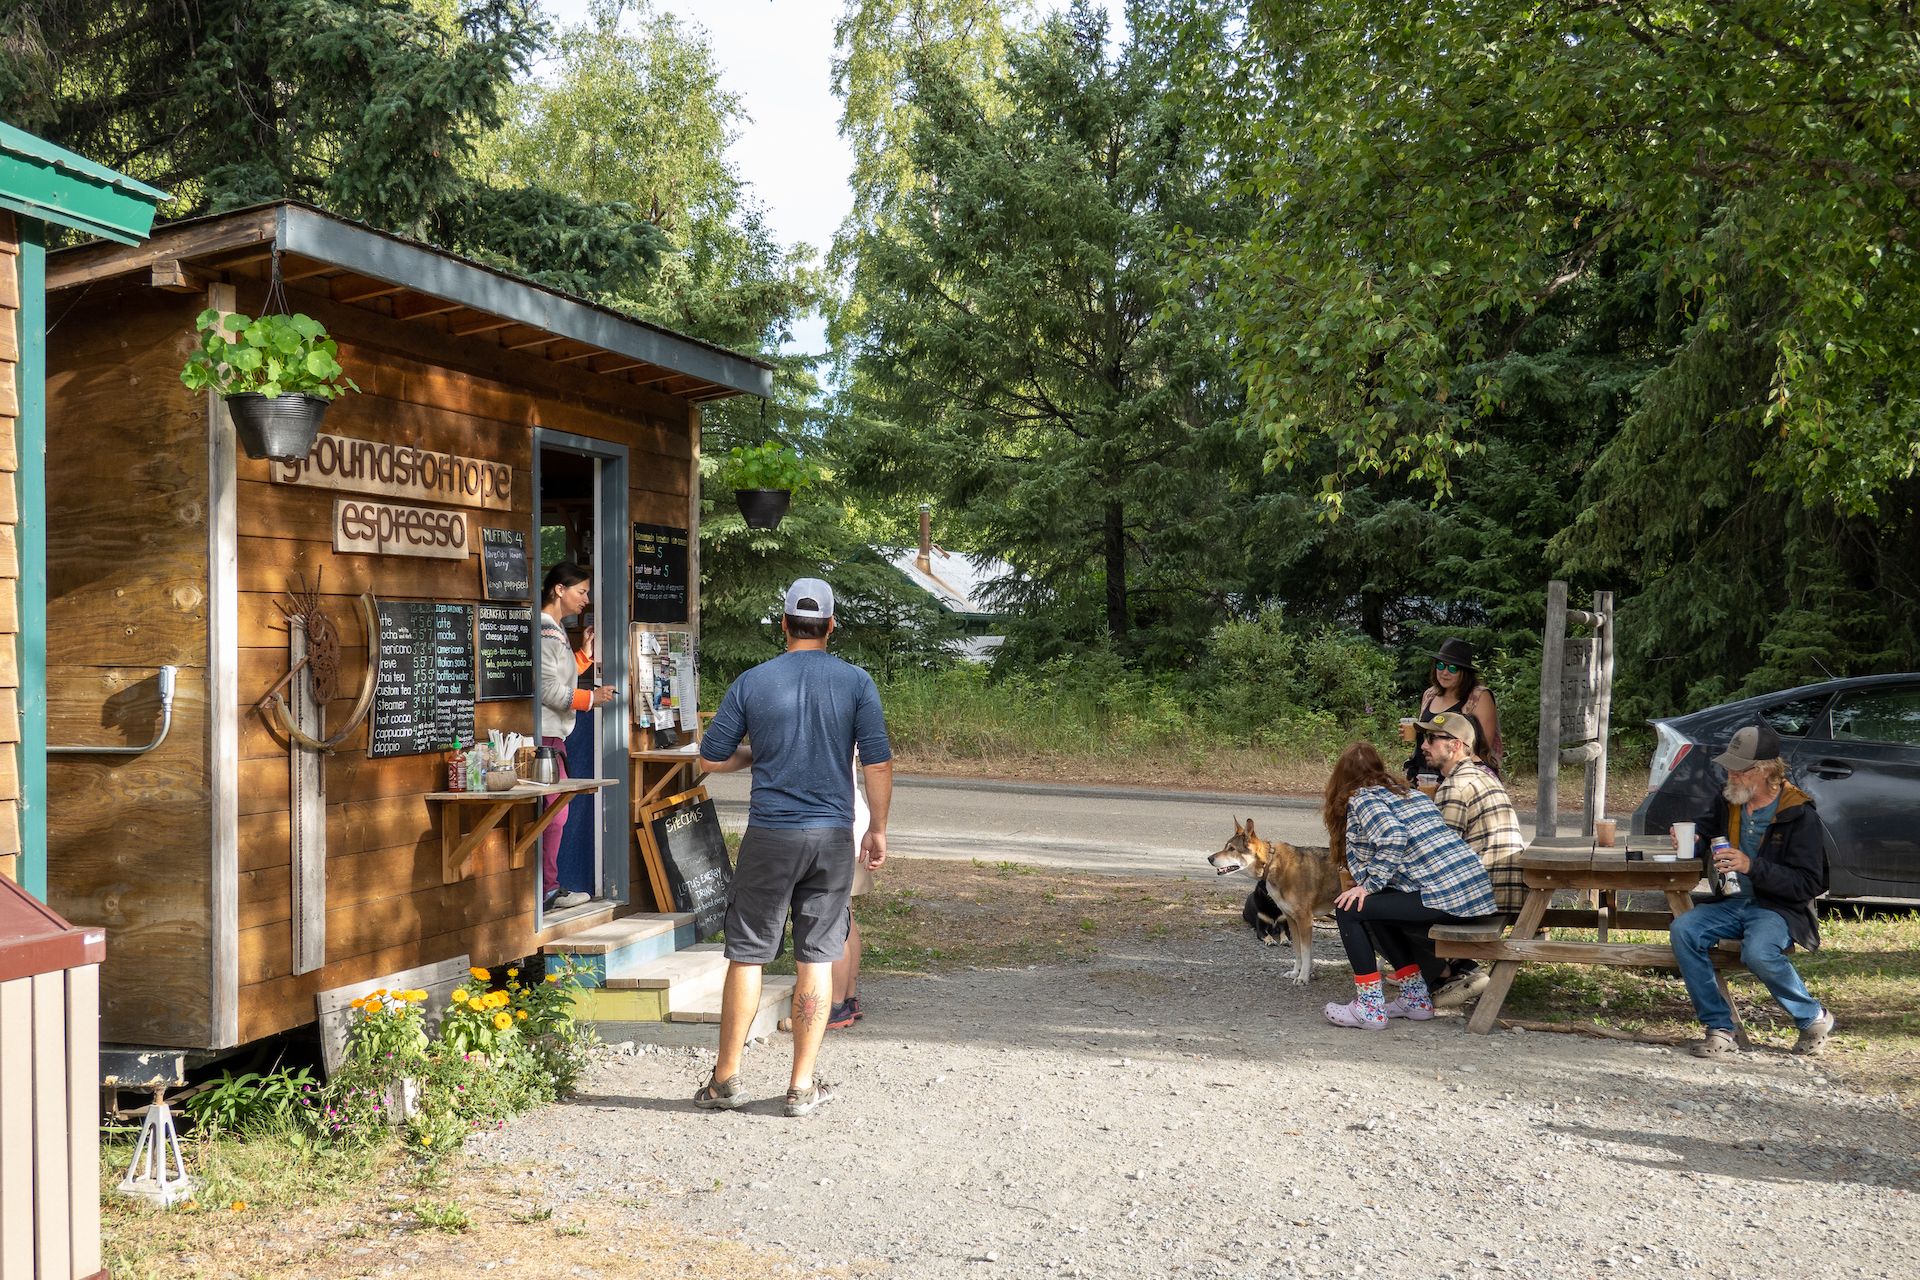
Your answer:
<point x="1777" y="856"/>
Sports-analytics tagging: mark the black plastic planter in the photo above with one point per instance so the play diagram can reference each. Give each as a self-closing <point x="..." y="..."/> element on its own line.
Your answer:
<point x="763" y="508"/>
<point x="282" y="428"/>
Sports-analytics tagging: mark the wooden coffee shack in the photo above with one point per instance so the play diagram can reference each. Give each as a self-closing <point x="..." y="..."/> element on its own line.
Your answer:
<point x="265" y="854"/>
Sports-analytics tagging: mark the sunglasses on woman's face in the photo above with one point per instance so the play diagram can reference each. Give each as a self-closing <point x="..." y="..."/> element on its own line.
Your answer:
<point x="1451" y="668"/>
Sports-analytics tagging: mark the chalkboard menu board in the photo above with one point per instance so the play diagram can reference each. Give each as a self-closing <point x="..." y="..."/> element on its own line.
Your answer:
<point x="659" y="573"/>
<point x="423" y="692"/>
<point x="684" y="834"/>
<point x="503" y="564"/>
<point x="506" y="651"/>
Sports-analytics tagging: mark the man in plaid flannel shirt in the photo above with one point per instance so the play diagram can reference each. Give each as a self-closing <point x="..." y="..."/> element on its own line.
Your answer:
<point x="1474" y="803"/>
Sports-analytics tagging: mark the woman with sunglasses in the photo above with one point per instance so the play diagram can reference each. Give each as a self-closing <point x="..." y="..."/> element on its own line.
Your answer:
<point x="1456" y="687"/>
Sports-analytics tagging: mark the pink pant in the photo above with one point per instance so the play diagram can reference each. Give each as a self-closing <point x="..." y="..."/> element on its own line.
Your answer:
<point x="550" y="838"/>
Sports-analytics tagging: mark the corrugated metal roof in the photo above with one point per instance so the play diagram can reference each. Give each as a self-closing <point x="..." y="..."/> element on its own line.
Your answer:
<point x="53" y="184"/>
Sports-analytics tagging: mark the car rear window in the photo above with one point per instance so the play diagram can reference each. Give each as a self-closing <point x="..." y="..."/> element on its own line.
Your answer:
<point x="1794" y="719"/>
<point x="1879" y="715"/>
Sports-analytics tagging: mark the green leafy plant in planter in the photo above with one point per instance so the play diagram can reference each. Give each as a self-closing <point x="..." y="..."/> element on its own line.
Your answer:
<point x="765" y="477"/>
<point x="278" y="374"/>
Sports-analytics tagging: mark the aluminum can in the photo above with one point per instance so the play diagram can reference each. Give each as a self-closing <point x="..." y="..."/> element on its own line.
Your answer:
<point x="1729" y="881"/>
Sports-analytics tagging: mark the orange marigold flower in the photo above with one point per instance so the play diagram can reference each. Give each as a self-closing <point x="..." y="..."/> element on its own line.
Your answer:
<point x="502" y="1021"/>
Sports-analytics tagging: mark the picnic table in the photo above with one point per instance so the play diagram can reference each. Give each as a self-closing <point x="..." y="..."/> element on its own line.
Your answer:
<point x="1605" y="873"/>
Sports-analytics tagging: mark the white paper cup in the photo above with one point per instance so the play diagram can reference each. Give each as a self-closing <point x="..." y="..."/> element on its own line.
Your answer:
<point x="1683" y="839"/>
<point x="1666" y="857"/>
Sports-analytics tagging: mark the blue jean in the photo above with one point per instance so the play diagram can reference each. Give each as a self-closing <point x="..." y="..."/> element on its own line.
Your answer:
<point x="1763" y="949"/>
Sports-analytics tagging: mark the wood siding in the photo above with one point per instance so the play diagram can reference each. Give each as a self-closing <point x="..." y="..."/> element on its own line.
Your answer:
<point x="127" y="836"/>
<point x="387" y="908"/>
<point x="9" y="557"/>
<point x="129" y="491"/>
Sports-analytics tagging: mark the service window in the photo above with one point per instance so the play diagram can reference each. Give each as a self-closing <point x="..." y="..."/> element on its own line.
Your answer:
<point x="1879" y="715"/>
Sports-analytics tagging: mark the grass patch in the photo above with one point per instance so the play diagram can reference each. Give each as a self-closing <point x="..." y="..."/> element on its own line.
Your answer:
<point x="355" y="1222"/>
<point x="1865" y="972"/>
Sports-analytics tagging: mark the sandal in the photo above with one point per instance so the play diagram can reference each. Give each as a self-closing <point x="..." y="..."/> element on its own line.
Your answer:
<point x="716" y="1096"/>
<point x="802" y="1102"/>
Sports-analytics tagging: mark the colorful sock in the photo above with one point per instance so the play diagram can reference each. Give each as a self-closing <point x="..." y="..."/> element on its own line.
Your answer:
<point x="1372" y="1004"/>
<point x="1413" y="988"/>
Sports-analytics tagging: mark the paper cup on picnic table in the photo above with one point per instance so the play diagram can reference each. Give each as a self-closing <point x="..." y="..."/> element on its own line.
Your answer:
<point x="1683" y="840"/>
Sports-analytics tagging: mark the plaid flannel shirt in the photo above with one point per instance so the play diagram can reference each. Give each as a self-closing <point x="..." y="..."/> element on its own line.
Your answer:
<point x="1400" y="842"/>
<point x="1475" y="803"/>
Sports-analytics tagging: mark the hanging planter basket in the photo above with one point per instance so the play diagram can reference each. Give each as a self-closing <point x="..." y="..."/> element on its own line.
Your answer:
<point x="281" y="428"/>
<point x="763" y="508"/>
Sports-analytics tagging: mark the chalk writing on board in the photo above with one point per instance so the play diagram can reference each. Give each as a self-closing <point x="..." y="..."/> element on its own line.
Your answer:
<point x="686" y="837"/>
<point x="505" y="651"/>
<point x="659" y="573"/>
<point x="423" y="693"/>
<point x="503" y="564"/>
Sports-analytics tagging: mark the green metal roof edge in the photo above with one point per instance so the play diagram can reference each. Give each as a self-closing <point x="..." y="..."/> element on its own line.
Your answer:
<point x="55" y="185"/>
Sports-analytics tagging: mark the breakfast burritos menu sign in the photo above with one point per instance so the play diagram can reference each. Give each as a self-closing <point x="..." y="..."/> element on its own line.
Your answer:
<point x="423" y="693"/>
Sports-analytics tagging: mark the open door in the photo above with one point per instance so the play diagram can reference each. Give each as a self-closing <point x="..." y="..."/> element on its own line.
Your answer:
<point x="581" y="515"/>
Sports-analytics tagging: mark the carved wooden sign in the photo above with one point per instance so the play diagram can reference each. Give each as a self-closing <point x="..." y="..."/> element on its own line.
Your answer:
<point x="383" y="529"/>
<point x="400" y="471"/>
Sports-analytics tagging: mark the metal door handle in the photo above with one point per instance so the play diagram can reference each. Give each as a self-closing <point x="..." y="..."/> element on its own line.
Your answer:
<point x="1831" y="769"/>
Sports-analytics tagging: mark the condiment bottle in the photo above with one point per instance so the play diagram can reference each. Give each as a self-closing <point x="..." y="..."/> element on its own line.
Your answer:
<point x="457" y="769"/>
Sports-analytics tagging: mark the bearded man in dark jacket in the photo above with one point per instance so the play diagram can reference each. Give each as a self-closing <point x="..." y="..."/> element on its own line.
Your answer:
<point x="1778" y="865"/>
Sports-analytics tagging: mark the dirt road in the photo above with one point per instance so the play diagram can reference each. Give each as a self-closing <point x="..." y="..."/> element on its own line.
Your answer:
<point x="1176" y="1108"/>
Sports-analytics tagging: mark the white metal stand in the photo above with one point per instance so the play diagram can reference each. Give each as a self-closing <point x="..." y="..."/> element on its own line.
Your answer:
<point x="158" y="1171"/>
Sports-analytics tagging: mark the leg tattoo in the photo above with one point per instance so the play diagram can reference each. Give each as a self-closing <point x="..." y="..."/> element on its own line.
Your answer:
<point x="808" y="1009"/>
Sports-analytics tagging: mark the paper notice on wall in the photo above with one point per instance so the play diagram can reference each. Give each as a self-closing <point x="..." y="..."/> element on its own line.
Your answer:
<point x="686" y="693"/>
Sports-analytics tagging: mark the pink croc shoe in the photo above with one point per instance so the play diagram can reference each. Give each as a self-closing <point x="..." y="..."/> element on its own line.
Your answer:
<point x="1355" y="1014"/>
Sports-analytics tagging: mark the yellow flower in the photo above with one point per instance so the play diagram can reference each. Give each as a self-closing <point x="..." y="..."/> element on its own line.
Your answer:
<point x="191" y="1204"/>
<point x="479" y="975"/>
<point x="513" y="973"/>
<point x="415" y="995"/>
<point x="356" y="1004"/>
<point x="501" y="1021"/>
<point x="459" y="995"/>
<point x="520" y="1014"/>
<point x="426" y="1139"/>
<point x="238" y="1206"/>
<point x="553" y="977"/>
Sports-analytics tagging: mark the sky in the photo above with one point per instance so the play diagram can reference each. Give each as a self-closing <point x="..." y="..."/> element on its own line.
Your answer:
<point x="778" y="56"/>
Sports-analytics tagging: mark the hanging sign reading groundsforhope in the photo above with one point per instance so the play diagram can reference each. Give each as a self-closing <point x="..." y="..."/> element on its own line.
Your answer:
<point x="400" y="471"/>
<point x="361" y="527"/>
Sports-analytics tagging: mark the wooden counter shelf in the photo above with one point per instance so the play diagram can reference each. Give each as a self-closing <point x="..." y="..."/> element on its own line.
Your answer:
<point x="681" y="757"/>
<point x="457" y="847"/>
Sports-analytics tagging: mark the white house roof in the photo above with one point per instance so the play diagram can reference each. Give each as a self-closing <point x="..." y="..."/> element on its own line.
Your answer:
<point x="956" y="581"/>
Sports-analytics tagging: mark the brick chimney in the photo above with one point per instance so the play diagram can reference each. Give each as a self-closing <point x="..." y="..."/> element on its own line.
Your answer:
<point x="925" y="558"/>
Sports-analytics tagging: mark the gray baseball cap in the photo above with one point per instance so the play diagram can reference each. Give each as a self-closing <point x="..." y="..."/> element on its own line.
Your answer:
<point x="1749" y="747"/>
<point x="1454" y="725"/>
<point x="809" y="598"/>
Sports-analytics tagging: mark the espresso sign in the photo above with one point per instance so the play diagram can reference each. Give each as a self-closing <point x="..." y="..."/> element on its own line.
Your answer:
<point x="400" y="471"/>
<point x="382" y="529"/>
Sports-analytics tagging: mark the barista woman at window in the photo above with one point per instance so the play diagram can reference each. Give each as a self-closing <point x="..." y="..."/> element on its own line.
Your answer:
<point x="563" y="594"/>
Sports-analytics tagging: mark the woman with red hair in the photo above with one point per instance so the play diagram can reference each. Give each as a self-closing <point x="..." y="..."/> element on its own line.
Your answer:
<point x="1410" y="871"/>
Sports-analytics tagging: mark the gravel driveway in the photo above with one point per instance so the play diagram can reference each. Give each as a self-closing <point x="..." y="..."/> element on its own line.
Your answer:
<point x="1179" y="1109"/>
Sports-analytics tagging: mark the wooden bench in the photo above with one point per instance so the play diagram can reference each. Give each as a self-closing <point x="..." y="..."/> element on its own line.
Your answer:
<point x="1490" y="943"/>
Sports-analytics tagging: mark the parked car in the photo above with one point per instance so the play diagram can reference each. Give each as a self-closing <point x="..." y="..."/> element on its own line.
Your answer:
<point x="1853" y="745"/>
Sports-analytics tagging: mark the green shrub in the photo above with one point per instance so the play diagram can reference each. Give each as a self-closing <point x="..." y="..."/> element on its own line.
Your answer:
<point x="237" y="1104"/>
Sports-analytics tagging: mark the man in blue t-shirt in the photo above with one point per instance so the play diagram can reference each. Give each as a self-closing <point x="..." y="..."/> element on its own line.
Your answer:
<point x="805" y="711"/>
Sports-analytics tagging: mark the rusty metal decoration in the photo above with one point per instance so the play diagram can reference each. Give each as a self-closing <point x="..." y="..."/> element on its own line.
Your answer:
<point x="323" y="659"/>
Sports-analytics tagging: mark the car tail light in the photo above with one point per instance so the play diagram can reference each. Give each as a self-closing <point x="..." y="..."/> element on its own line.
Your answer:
<point x="1673" y="748"/>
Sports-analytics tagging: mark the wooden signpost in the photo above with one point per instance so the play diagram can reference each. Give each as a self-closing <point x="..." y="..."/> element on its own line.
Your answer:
<point x="686" y="857"/>
<point x="1576" y="705"/>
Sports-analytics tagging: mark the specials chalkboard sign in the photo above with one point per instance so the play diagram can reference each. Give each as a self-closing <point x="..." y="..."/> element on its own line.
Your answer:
<point x="684" y="844"/>
<point x="505" y="651"/>
<point x="503" y="564"/>
<point x="659" y="573"/>
<point x="423" y="693"/>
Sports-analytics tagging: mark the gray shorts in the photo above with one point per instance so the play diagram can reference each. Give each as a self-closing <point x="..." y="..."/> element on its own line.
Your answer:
<point x="806" y="871"/>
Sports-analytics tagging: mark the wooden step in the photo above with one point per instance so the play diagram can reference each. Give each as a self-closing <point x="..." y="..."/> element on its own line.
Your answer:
<point x="622" y="945"/>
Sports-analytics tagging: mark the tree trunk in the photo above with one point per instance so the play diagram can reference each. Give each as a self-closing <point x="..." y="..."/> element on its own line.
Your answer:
<point x="1114" y="540"/>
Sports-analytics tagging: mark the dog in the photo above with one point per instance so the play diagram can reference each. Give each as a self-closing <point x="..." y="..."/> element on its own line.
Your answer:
<point x="1293" y="886"/>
